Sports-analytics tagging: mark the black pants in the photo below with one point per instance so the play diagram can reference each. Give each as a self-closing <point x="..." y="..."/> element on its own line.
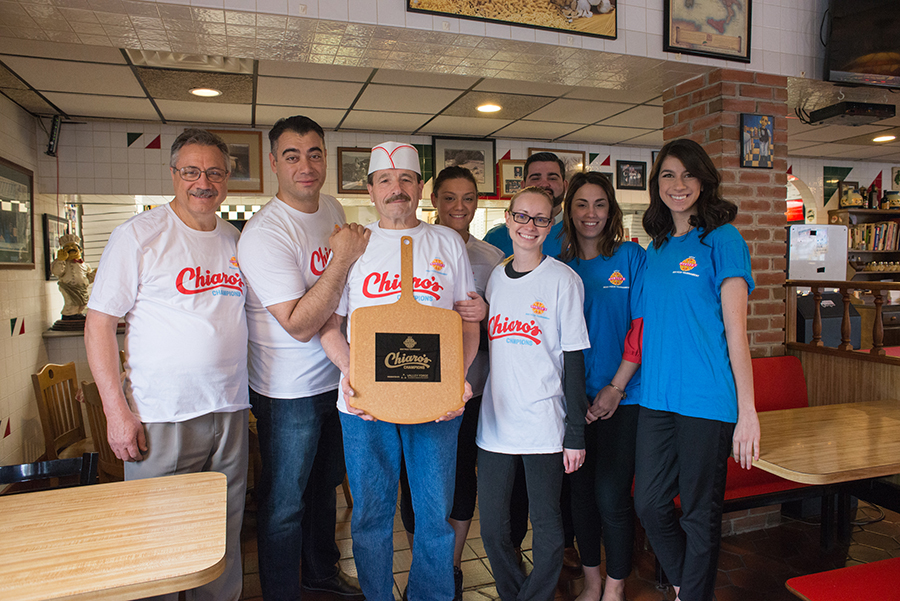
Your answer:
<point x="687" y="456"/>
<point x="601" y="492"/>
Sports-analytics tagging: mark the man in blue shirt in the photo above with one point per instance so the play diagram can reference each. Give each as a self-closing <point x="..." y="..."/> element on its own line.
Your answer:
<point x="544" y="170"/>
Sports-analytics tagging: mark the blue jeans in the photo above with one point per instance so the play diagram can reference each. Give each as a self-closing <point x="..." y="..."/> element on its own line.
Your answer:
<point x="374" y="451"/>
<point x="302" y="464"/>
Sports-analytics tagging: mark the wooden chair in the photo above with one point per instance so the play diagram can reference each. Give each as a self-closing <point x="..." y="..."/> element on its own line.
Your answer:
<point x="61" y="420"/>
<point x="111" y="468"/>
<point x="83" y="468"/>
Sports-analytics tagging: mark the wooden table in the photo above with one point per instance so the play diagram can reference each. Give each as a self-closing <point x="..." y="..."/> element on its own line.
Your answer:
<point x="832" y="444"/>
<point x="123" y="540"/>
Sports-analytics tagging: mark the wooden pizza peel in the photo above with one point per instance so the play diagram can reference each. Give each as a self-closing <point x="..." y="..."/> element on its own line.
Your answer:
<point x="406" y="358"/>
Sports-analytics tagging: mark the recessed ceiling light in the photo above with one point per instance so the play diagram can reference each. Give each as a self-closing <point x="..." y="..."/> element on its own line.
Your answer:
<point x="884" y="139"/>
<point x="489" y="108"/>
<point x="206" y="92"/>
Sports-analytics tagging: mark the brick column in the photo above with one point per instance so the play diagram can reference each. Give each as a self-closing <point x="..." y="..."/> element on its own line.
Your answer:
<point x="707" y="109"/>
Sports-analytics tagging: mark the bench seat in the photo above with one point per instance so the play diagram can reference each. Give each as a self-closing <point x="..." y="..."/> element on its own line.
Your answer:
<point x="876" y="581"/>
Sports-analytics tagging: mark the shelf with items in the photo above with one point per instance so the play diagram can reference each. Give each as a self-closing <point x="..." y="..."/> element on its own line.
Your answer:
<point x="873" y="242"/>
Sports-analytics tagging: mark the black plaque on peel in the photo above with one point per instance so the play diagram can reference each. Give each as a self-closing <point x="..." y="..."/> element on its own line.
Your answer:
<point x="407" y="357"/>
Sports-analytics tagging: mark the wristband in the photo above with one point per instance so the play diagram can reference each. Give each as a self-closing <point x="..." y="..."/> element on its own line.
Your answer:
<point x="619" y="390"/>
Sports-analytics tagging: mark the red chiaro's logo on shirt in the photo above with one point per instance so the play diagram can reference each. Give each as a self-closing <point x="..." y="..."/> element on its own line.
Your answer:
<point x="688" y="264"/>
<point x="515" y="331"/>
<point x="616" y="278"/>
<point x="194" y="280"/>
<point x="378" y="285"/>
<point x="319" y="260"/>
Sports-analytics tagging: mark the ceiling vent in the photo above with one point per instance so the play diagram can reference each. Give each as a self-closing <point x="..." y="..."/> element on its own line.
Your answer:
<point x="190" y="62"/>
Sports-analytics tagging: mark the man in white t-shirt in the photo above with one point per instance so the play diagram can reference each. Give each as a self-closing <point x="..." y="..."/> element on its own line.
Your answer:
<point x="173" y="273"/>
<point x="295" y="254"/>
<point x="442" y="275"/>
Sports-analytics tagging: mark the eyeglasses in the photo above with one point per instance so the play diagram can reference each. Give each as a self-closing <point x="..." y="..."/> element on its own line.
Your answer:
<point x="538" y="221"/>
<point x="192" y="174"/>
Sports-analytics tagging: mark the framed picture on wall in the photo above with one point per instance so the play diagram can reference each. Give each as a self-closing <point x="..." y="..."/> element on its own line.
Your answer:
<point x="712" y="29"/>
<point x="245" y="148"/>
<point x="54" y="227"/>
<point x="757" y="136"/>
<point x="475" y="155"/>
<point x="511" y="174"/>
<point x="16" y="216"/>
<point x="574" y="159"/>
<point x="594" y="18"/>
<point x="895" y="178"/>
<point x="353" y="170"/>
<point x="631" y="175"/>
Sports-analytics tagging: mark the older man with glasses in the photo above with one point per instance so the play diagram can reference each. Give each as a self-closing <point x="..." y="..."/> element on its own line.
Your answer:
<point x="172" y="273"/>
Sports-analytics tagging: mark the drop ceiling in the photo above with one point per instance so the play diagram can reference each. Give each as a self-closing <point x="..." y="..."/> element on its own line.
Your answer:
<point x="136" y="61"/>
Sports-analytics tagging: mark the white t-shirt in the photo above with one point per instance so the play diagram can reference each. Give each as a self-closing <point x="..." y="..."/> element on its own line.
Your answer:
<point x="532" y="320"/>
<point x="282" y="253"/>
<point x="483" y="257"/>
<point x="182" y="296"/>
<point x="441" y="272"/>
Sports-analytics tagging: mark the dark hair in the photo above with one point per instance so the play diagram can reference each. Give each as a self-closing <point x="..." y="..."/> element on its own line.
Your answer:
<point x="529" y="190"/>
<point x="298" y="124"/>
<point x="613" y="233"/>
<point x="712" y="210"/>
<point x="200" y="137"/>
<point x="544" y="157"/>
<point x="451" y="173"/>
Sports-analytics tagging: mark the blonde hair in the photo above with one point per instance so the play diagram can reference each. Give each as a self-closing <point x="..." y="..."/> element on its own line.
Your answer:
<point x="530" y="190"/>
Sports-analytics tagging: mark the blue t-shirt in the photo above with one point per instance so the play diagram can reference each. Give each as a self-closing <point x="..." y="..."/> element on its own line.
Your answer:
<point x="612" y="290"/>
<point x="499" y="237"/>
<point x="685" y="362"/>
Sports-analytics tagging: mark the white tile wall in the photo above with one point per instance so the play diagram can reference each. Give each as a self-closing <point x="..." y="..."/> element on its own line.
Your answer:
<point x="24" y="297"/>
<point x="784" y="38"/>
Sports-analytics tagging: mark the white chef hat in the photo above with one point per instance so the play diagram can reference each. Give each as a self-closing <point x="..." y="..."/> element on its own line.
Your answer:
<point x="394" y="155"/>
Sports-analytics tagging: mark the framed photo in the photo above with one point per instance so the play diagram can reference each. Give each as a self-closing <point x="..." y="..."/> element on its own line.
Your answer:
<point x="599" y="20"/>
<point x="245" y="148"/>
<point x="16" y="216"/>
<point x="631" y="175"/>
<point x="511" y="174"/>
<point x="713" y="29"/>
<point x="54" y="227"/>
<point x="653" y="155"/>
<point x="895" y="178"/>
<point x="475" y="155"/>
<point x="757" y="135"/>
<point x="574" y="159"/>
<point x="845" y="185"/>
<point x="353" y="170"/>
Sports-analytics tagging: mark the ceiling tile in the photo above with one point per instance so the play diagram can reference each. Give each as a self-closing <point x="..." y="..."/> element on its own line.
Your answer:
<point x="175" y="84"/>
<point x="537" y="130"/>
<point x="654" y="138"/>
<point x="832" y="133"/>
<point x="514" y="86"/>
<point x="461" y="126"/>
<point x="868" y="152"/>
<point x="639" y="116"/>
<point x="176" y="110"/>
<point x="403" y="99"/>
<point x="327" y="118"/>
<point x="29" y="100"/>
<point x="306" y="92"/>
<point x="577" y="111"/>
<point x="68" y="76"/>
<point x="435" y="80"/>
<point x="866" y="139"/>
<point x="405" y="123"/>
<point x="313" y="71"/>
<point x="601" y="134"/>
<point x="77" y="52"/>
<point x="514" y="106"/>
<point x="835" y="150"/>
<point x="613" y="95"/>
<point x="110" y="107"/>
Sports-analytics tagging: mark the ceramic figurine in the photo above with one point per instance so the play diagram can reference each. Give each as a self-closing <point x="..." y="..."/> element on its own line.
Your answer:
<point x="74" y="276"/>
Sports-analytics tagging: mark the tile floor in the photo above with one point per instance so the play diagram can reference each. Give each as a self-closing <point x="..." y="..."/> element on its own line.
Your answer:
<point x="752" y="566"/>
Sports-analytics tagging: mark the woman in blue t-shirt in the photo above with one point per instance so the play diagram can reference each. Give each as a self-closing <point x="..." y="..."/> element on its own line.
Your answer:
<point x="697" y="387"/>
<point x="612" y="271"/>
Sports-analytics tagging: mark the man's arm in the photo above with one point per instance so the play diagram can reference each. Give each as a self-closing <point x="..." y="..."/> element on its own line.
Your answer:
<point x="338" y="351"/>
<point x="303" y="317"/>
<point x="124" y="430"/>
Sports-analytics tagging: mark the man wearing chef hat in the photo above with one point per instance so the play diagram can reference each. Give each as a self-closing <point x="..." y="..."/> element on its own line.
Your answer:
<point x="374" y="449"/>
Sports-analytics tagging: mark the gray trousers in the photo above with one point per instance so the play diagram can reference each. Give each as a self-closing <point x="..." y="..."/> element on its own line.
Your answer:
<point x="215" y="442"/>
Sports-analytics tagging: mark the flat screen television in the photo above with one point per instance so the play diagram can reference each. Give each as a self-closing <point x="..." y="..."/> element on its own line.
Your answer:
<point x="864" y="43"/>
